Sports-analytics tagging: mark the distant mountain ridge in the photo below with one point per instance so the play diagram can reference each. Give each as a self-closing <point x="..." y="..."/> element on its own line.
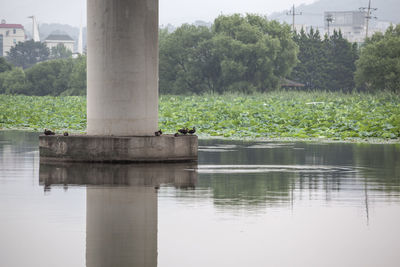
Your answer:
<point x="313" y="14"/>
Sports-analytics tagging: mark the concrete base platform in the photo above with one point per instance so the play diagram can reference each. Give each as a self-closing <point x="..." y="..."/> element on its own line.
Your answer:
<point x="87" y="148"/>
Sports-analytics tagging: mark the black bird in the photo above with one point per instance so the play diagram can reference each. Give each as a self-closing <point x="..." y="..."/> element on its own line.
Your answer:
<point x="66" y="134"/>
<point x="183" y="130"/>
<point x="176" y="134"/>
<point x="192" y="131"/>
<point x="48" y="132"/>
<point x="158" y="133"/>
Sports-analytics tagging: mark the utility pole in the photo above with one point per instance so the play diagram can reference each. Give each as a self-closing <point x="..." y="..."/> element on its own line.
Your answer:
<point x="369" y="10"/>
<point x="329" y="20"/>
<point x="294" y="14"/>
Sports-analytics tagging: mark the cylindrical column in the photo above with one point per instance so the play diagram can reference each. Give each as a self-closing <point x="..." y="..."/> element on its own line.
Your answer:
<point x="122" y="67"/>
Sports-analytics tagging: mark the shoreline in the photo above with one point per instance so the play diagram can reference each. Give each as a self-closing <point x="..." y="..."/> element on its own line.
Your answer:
<point x="354" y="140"/>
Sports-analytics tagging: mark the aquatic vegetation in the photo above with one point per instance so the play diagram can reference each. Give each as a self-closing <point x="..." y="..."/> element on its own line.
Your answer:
<point x="39" y="112"/>
<point x="285" y="114"/>
<point x="270" y="115"/>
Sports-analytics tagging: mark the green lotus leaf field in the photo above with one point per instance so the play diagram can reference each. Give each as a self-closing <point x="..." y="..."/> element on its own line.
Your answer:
<point x="280" y="114"/>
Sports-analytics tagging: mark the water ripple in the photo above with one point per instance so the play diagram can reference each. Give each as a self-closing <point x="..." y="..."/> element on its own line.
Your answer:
<point x="272" y="168"/>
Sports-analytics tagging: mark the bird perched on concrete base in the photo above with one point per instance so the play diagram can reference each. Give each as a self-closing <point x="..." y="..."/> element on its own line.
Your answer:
<point x="66" y="134"/>
<point x="183" y="130"/>
<point x="176" y="134"/>
<point x="158" y="133"/>
<point x="192" y="131"/>
<point x="48" y="132"/>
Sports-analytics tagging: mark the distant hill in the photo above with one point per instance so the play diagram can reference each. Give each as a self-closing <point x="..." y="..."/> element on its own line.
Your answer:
<point x="46" y="29"/>
<point x="313" y="14"/>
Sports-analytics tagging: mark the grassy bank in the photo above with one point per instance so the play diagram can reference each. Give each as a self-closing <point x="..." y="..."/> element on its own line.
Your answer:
<point x="272" y="115"/>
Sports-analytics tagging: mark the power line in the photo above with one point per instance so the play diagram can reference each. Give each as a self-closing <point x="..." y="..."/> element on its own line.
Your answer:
<point x="369" y="16"/>
<point x="294" y="14"/>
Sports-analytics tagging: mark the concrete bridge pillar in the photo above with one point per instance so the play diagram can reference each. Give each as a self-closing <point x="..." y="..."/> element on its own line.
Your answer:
<point x="122" y="92"/>
<point x="122" y="67"/>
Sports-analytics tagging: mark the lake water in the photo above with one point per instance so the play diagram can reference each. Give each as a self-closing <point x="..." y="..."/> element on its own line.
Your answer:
<point x="244" y="204"/>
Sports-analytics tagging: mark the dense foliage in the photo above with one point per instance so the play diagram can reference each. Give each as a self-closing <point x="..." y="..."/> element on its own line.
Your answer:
<point x="60" y="51"/>
<point x="379" y="65"/>
<point x="28" y="53"/>
<point x="238" y="54"/>
<point x="53" y="77"/>
<point x="13" y="81"/>
<point x="4" y="65"/>
<point x="276" y="114"/>
<point x="77" y="78"/>
<point x="48" y="78"/>
<point x="325" y="64"/>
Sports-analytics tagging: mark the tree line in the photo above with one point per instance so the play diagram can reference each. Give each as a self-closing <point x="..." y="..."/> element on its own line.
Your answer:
<point x="238" y="53"/>
<point x="53" y="77"/>
<point x="326" y="63"/>
<point x="31" y="68"/>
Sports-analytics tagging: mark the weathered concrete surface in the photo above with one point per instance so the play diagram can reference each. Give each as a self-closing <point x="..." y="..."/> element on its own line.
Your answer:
<point x="122" y="67"/>
<point x="86" y="148"/>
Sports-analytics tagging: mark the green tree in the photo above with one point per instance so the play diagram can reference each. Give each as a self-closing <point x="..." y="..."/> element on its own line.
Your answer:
<point x="379" y="65"/>
<point x="13" y="81"/>
<point x="60" y="51"/>
<point x="341" y="56"/>
<point x="77" y="80"/>
<point x="49" y="78"/>
<point x="181" y="63"/>
<point x="26" y="54"/>
<point x="4" y="65"/>
<point x="327" y="64"/>
<point x="240" y="53"/>
<point x="253" y="53"/>
<point x="312" y="67"/>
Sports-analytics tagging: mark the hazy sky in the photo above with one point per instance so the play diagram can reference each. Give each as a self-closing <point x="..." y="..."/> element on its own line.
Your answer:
<point x="171" y="11"/>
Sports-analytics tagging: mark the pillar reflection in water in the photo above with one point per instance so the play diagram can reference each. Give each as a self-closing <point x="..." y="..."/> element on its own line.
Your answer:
<point x="121" y="226"/>
<point x="121" y="221"/>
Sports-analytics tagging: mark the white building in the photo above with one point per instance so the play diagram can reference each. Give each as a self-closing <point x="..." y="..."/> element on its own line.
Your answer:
<point x="55" y="39"/>
<point x="352" y="24"/>
<point x="10" y="35"/>
<point x="379" y="26"/>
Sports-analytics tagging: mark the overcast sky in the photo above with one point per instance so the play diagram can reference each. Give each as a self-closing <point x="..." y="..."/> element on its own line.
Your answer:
<point x="171" y="11"/>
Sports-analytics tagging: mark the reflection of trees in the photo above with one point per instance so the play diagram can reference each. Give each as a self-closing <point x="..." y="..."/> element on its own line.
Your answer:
<point x="15" y="151"/>
<point x="251" y="189"/>
<point x="381" y="166"/>
<point x="358" y="172"/>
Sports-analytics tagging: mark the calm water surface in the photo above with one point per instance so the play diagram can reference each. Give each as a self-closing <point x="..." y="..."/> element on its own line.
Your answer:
<point x="244" y="204"/>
